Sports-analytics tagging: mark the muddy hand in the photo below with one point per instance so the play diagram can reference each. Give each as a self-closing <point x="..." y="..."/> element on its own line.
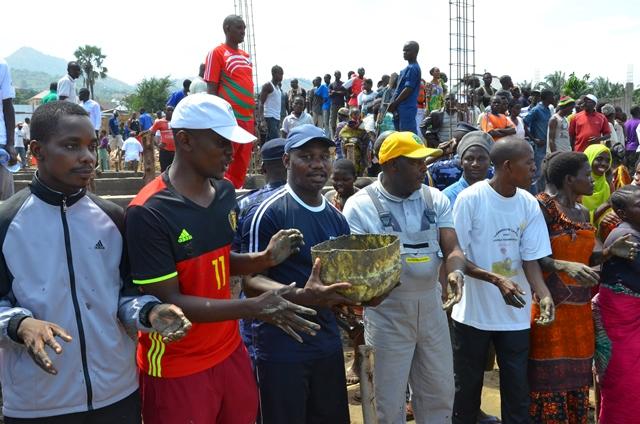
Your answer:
<point x="283" y="244"/>
<point x="625" y="248"/>
<point x="511" y="293"/>
<point x="169" y="321"/>
<point x="35" y="335"/>
<point x="271" y="307"/>
<point x="454" y="289"/>
<point x="582" y="273"/>
<point x="547" y="312"/>
<point x="323" y="295"/>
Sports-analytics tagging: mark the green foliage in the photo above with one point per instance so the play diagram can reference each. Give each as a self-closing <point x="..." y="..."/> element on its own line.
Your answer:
<point x="554" y="82"/>
<point x="151" y="94"/>
<point x="576" y="87"/>
<point x="23" y="95"/>
<point x="91" y="59"/>
<point x="604" y="89"/>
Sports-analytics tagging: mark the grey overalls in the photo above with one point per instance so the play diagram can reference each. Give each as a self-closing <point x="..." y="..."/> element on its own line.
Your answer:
<point x="409" y="329"/>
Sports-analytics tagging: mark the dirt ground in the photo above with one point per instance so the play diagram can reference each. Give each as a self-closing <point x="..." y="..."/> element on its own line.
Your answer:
<point x="490" y="394"/>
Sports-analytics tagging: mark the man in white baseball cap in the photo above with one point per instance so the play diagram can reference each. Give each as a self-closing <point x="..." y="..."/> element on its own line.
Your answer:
<point x="179" y="230"/>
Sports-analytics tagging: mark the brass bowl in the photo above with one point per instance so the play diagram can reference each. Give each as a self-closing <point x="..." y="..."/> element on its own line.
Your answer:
<point x="370" y="262"/>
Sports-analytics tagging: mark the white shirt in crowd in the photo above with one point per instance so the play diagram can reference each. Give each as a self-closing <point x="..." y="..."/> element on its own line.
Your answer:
<point x="291" y="121"/>
<point x="93" y="109"/>
<point x="132" y="149"/>
<point x="519" y="128"/>
<point x="67" y="87"/>
<point x="18" y="137"/>
<point x="6" y="92"/>
<point x="497" y="233"/>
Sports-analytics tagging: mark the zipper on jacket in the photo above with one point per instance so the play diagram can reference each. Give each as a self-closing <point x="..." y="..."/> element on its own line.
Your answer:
<point x="76" y="306"/>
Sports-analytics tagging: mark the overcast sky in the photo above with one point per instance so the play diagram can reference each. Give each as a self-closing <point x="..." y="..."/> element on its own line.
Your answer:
<point x="526" y="39"/>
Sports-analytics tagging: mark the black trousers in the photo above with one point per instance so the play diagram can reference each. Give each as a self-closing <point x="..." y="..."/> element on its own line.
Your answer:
<point x="166" y="158"/>
<point x="126" y="411"/>
<point x="470" y="349"/>
<point x="309" y="392"/>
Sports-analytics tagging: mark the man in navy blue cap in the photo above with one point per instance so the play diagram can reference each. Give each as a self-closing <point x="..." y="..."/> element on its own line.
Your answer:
<point x="300" y="382"/>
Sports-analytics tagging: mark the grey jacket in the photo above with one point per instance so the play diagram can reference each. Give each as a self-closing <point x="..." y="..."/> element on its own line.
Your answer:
<point x="62" y="261"/>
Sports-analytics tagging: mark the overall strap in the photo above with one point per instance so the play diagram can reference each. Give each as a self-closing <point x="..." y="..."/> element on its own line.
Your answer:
<point x="388" y="221"/>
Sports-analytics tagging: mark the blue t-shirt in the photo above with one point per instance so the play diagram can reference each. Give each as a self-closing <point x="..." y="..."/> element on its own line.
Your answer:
<point x="323" y="91"/>
<point x="145" y="121"/>
<point x="409" y="77"/>
<point x="282" y="210"/>
<point x="538" y="121"/>
<point x="114" y="126"/>
<point x="175" y="98"/>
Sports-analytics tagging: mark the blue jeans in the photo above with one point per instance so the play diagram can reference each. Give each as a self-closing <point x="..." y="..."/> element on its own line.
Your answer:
<point x="273" y="128"/>
<point x="405" y="120"/>
<point x="22" y="152"/>
<point x="538" y="183"/>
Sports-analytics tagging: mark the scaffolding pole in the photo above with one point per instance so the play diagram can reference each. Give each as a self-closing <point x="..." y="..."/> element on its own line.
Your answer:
<point x="462" y="51"/>
<point x="244" y="9"/>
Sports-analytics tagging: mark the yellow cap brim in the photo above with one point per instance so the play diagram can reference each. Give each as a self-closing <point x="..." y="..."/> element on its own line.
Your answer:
<point x="424" y="152"/>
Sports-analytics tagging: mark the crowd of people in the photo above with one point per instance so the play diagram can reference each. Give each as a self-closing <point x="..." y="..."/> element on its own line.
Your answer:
<point x="517" y="214"/>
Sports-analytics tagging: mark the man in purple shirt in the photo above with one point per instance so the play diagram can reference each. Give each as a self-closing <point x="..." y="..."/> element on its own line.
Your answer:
<point x="630" y="128"/>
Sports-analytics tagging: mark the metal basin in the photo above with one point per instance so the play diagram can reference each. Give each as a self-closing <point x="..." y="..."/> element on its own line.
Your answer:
<point x="370" y="262"/>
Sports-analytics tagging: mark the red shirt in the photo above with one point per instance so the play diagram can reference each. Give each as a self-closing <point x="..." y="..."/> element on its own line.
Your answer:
<point x="233" y="72"/>
<point x="166" y="134"/>
<point x="356" y="88"/>
<point x="169" y="236"/>
<point x="586" y="125"/>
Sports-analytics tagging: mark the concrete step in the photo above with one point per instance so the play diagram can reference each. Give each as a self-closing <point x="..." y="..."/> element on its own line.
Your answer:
<point x="105" y="186"/>
<point x="27" y="176"/>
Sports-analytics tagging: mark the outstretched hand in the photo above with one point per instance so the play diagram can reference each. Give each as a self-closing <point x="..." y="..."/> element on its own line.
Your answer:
<point x="511" y="293"/>
<point x="454" y="289"/>
<point x="625" y="248"/>
<point x="283" y="244"/>
<point x="273" y="308"/>
<point x="547" y="312"/>
<point x="323" y="295"/>
<point x="169" y="321"/>
<point x="36" y="334"/>
<point x="581" y="273"/>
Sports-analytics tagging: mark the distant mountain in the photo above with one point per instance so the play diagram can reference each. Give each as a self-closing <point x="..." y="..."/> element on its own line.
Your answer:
<point x="31" y="69"/>
<point x="33" y="60"/>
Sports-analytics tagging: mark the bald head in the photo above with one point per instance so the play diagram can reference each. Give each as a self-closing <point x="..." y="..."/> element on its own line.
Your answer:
<point x="509" y="150"/>
<point x="410" y="51"/>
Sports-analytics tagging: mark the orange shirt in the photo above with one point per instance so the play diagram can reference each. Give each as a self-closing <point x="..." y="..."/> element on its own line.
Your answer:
<point x="233" y="72"/>
<point x="492" y="121"/>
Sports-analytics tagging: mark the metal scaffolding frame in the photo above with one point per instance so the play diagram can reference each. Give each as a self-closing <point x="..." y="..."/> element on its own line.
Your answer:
<point x="244" y="9"/>
<point x="462" y="49"/>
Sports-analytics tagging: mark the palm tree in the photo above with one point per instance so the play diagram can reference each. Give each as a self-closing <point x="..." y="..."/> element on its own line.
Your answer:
<point x="576" y="87"/>
<point x="601" y="87"/>
<point x="90" y="59"/>
<point x="553" y="82"/>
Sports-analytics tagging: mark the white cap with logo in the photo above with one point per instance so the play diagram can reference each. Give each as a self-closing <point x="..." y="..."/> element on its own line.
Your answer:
<point x="203" y="111"/>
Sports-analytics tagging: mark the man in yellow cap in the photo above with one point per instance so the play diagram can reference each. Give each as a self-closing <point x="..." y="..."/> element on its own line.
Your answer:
<point x="409" y="328"/>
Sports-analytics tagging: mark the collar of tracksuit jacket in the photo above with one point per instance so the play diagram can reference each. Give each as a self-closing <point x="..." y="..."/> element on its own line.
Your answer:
<point x="52" y="197"/>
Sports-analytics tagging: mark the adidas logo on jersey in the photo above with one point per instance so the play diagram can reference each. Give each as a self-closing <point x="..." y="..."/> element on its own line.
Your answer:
<point x="99" y="245"/>
<point x="184" y="236"/>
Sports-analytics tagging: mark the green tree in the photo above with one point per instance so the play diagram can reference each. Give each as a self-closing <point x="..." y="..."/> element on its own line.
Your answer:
<point x="23" y="95"/>
<point x="553" y="82"/>
<point x="91" y="61"/>
<point x="151" y="94"/>
<point x="576" y="87"/>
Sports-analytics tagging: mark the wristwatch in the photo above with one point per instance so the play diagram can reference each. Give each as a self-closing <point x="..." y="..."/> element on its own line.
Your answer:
<point x="457" y="271"/>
